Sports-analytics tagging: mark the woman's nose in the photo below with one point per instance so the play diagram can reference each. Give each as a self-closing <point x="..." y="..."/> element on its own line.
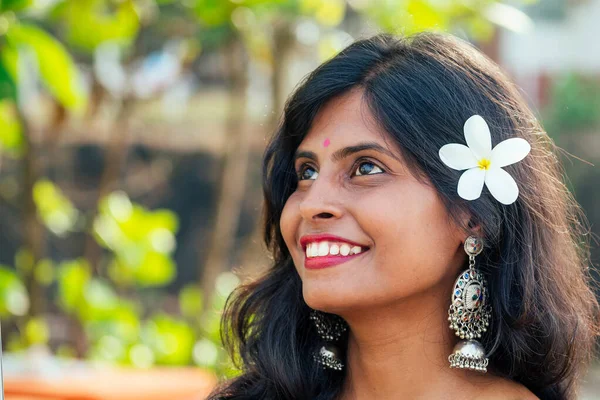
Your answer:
<point x="321" y="201"/>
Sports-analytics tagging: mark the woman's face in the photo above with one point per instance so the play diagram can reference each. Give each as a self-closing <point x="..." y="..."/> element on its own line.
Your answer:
<point x="371" y="198"/>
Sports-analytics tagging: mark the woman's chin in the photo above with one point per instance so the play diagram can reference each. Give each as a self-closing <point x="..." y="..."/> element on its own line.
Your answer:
<point x="328" y="300"/>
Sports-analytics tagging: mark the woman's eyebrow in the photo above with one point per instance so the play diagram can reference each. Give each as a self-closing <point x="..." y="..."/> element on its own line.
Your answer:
<point x="347" y="151"/>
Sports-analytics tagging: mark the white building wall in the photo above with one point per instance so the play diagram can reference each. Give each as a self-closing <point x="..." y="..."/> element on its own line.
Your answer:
<point x="570" y="44"/>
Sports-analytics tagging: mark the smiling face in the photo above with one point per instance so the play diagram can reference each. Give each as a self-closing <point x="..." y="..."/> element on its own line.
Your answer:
<point x="371" y="198"/>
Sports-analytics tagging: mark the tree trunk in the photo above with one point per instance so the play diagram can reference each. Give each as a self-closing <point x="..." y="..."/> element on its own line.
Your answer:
<point x="114" y="159"/>
<point x="231" y="178"/>
<point x="255" y="254"/>
<point x="34" y="232"/>
<point x="34" y="167"/>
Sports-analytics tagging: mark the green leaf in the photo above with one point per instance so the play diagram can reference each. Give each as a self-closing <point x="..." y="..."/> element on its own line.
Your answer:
<point x="9" y="56"/>
<point x="37" y="331"/>
<point x="8" y="89"/>
<point x="54" y="208"/>
<point x="44" y="272"/>
<point x="100" y="299"/>
<point x="214" y="12"/>
<point x="118" y="317"/>
<point x="11" y="136"/>
<point x="480" y="28"/>
<point x="191" y="301"/>
<point x="141" y="356"/>
<point x="57" y="69"/>
<point x="325" y="12"/>
<point x="172" y="340"/>
<point x="14" y="5"/>
<point x="89" y="23"/>
<point x="156" y="269"/>
<point x="141" y="240"/>
<point x="14" y="299"/>
<point x="425" y="16"/>
<point x="574" y="104"/>
<point x="120" y="274"/>
<point x="108" y="348"/>
<point x="73" y="277"/>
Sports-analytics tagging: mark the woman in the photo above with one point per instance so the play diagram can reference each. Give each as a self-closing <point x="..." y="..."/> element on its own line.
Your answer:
<point x="410" y="259"/>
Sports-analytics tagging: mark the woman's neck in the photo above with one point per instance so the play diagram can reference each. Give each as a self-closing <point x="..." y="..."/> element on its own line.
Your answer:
<point x="401" y="352"/>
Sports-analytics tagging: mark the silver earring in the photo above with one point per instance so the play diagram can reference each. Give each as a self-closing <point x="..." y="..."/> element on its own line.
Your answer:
<point x="469" y="313"/>
<point x="330" y="327"/>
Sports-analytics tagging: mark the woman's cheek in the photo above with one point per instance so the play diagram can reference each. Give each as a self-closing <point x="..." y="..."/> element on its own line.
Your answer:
<point x="287" y="222"/>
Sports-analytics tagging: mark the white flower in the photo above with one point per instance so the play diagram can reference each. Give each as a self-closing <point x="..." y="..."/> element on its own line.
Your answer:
<point x="484" y="164"/>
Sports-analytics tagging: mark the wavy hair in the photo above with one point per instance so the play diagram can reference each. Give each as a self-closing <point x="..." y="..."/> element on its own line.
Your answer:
<point x="421" y="89"/>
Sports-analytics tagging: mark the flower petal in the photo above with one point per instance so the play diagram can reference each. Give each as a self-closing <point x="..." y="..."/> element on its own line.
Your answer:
<point x="477" y="134"/>
<point x="457" y="156"/>
<point x="470" y="183"/>
<point x="501" y="185"/>
<point x="509" y="152"/>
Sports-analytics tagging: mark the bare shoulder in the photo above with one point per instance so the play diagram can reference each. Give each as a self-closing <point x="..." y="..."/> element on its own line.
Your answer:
<point x="504" y="389"/>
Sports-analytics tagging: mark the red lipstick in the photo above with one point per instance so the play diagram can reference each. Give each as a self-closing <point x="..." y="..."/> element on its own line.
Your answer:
<point x="304" y="240"/>
<point x="328" y="260"/>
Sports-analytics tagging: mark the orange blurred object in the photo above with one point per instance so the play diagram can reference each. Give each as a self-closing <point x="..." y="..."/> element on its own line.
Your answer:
<point x="115" y="384"/>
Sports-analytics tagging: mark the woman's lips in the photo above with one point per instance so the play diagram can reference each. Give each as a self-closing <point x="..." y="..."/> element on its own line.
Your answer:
<point x="328" y="261"/>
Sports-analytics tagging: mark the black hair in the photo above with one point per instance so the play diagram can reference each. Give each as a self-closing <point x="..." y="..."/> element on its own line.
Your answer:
<point x="420" y="90"/>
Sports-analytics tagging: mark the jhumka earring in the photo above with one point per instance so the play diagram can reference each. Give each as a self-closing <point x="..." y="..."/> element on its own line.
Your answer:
<point x="469" y="313"/>
<point x="330" y="327"/>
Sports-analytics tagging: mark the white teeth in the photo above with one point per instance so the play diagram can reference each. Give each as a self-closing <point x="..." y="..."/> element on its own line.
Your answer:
<point x="334" y="249"/>
<point x="323" y="248"/>
<point x="355" y="250"/>
<point x="344" y="249"/>
<point x="314" y="249"/>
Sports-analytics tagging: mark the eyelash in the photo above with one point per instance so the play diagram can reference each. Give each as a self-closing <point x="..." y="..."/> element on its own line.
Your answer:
<point x="358" y="163"/>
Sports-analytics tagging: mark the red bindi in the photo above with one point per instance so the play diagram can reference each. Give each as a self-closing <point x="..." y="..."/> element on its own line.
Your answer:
<point x="326" y="142"/>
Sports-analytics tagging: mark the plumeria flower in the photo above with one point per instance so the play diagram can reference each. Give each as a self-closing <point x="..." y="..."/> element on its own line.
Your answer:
<point x="484" y="164"/>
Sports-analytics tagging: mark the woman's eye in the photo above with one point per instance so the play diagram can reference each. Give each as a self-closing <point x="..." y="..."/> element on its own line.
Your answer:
<point x="366" y="171"/>
<point x="304" y="174"/>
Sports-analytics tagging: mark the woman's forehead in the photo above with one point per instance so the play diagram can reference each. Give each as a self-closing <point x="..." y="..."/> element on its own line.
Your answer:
<point x="343" y="120"/>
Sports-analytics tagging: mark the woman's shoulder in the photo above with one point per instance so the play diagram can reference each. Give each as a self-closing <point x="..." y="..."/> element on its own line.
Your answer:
<point x="504" y="389"/>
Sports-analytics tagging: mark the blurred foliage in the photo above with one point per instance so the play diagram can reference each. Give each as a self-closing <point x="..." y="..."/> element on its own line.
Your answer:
<point x="574" y="104"/>
<point x="14" y="299"/>
<point x="57" y="70"/>
<point x="54" y="208"/>
<point x="120" y="303"/>
<point x="257" y="20"/>
<point x="119" y="327"/>
<point x="29" y="54"/>
<point x="107" y="303"/>
<point x="15" y="5"/>
<point x="214" y="13"/>
<point x="414" y="15"/>
<point x="142" y="241"/>
<point x="11" y="139"/>
<point x="86" y="24"/>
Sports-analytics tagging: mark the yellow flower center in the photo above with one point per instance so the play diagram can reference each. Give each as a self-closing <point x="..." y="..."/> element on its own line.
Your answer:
<point x="484" y="163"/>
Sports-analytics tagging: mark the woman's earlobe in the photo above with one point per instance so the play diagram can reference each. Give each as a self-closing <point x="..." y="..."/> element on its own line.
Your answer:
<point x="475" y="228"/>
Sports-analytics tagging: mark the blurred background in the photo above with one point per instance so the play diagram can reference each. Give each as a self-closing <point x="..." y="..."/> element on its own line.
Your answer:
<point x="131" y="133"/>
